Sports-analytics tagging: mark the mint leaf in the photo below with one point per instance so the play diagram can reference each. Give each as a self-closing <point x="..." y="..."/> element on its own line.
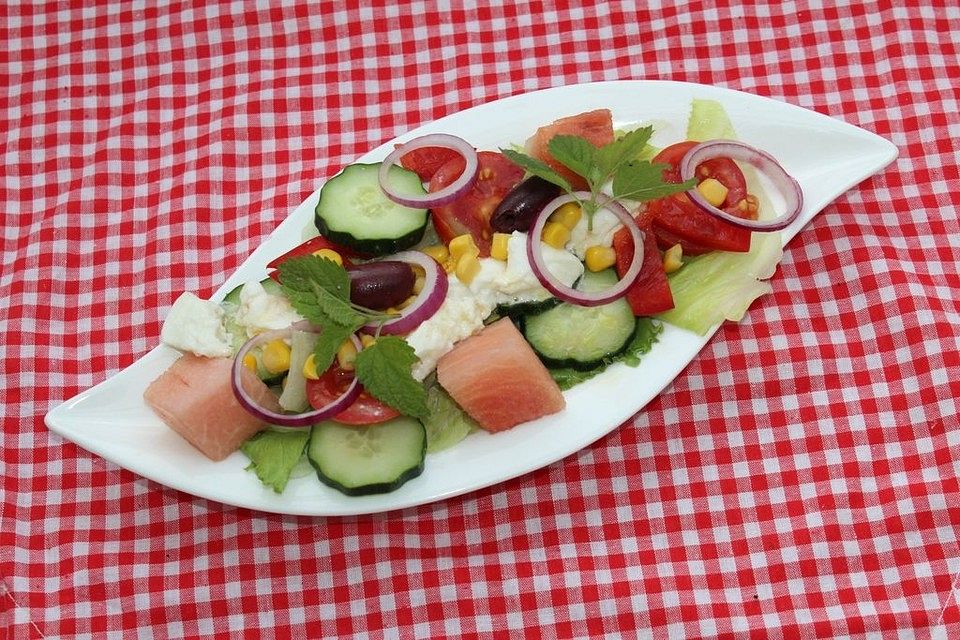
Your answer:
<point x="319" y="289"/>
<point x="623" y="150"/>
<point x="339" y="311"/>
<point x="274" y="454"/>
<point x="578" y="155"/>
<point x="383" y="369"/>
<point x="302" y="271"/>
<point x="329" y="340"/>
<point x="643" y="181"/>
<point x="536" y="167"/>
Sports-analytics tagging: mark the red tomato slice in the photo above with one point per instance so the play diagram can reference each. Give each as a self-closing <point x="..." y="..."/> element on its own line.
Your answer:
<point x="676" y="219"/>
<point x="594" y="126"/>
<point x="365" y="409"/>
<point x="650" y="293"/>
<point x="310" y="246"/>
<point x="471" y="212"/>
<point x="426" y="161"/>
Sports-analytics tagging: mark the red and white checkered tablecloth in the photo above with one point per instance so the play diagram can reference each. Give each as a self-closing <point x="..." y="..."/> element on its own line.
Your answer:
<point x="798" y="480"/>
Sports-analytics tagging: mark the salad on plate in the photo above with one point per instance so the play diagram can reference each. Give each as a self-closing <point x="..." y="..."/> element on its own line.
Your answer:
<point x="449" y="289"/>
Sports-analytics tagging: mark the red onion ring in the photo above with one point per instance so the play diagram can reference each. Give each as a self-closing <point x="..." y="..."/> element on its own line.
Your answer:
<point x="558" y="288"/>
<point x="784" y="182"/>
<point x="427" y="301"/>
<point x="449" y="193"/>
<point x="285" y="419"/>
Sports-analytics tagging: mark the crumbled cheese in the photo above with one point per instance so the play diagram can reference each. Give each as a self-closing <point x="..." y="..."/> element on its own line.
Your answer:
<point x="260" y="311"/>
<point x="197" y="326"/>
<point x="461" y="314"/>
<point x="518" y="282"/>
<point x="605" y="225"/>
<point x="466" y="307"/>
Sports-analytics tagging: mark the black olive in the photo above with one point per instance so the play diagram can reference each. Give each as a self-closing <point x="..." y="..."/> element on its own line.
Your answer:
<point x="518" y="209"/>
<point x="381" y="285"/>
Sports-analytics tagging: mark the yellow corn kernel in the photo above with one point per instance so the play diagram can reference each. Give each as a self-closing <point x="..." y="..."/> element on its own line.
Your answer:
<point x="275" y="356"/>
<point x="467" y="268"/>
<point x="449" y="265"/>
<point x="555" y="234"/>
<point x="438" y="252"/>
<point x="310" y="368"/>
<point x="568" y="215"/>
<point x="250" y="362"/>
<point x="462" y="245"/>
<point x="347" y="355"/>
<point x="750" y="206"/>
<point x="329" y="254"/>
<point x="673" y="258"/>
<point x="367" y="340"/>
<point x="498" y="246"/>
<point x="598" y="258"/>
<point x="713" y="191"/>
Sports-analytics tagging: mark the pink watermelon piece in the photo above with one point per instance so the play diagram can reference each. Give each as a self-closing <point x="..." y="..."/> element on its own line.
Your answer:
<point x="194" y="398"/>
<point x="594" y="126"/>
<point x="497" y="378"/>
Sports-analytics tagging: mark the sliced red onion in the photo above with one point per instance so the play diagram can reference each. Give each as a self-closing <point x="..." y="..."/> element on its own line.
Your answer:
<point x="449" y="193"/>
<point x="558" y="288"/>
<point x="427" y="301"/>
<point x="784" y="182"/>
<point x="286" y="419"/>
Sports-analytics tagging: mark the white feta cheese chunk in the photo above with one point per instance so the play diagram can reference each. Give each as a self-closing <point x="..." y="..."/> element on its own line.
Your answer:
<point x="466" y="306"/>
<point x="460" y="316"/>
<point x="605" y="225"/>
<point x="260" y="310"/>
<point x="196" y="326"/>
<point x="518" y="282"/>
<point x="486" y="283"/>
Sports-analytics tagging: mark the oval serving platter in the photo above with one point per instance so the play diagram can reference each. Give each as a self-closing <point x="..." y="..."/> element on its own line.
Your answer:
<point x="825" y="155"/>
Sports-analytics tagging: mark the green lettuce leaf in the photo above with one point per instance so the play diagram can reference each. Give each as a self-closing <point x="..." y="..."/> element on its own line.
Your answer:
<point x="274" y="454"/>
<point x="446" y="424"/>
<point x="709" y="121"/>
<point x="721" y="285"/>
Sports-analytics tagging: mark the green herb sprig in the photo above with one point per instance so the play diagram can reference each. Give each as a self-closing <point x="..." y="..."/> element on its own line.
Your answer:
<point x="615" y="163"/>
<point x="319" y="289"/>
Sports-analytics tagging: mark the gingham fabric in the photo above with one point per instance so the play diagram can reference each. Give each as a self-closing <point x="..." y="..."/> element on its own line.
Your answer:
<point x="797" y="480"/>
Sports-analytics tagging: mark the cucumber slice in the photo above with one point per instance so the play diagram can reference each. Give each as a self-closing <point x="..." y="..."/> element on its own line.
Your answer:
<point x="378" y="458"/>
<point x="582" y="338"/>
<point x="520" y="308"/>
<point x="354" y="211"/>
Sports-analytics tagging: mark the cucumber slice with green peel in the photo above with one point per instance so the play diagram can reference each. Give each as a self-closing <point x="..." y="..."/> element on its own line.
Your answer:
<point x="377" y="458"/>
<point x="519" y="308"/>
<point x="355" y="212"/>
<point x="579" y="337"/>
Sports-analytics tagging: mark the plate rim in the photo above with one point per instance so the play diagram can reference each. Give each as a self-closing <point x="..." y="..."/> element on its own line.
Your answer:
<point x="57" y="419"/>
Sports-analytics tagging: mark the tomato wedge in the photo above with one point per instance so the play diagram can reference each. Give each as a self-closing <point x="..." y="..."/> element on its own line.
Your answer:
<point x="650" y="293"/>
<point x="365" y="409"/>
<point x="311" y="246"/>
<point x="676" y="219"/>
<point x="594" y="126"/>
<point x="471" y="212"/>
<point x="427" y="161"/>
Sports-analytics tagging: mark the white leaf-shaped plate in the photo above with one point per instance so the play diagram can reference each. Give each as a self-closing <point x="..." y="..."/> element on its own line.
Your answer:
<point x="826" y="156"/>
